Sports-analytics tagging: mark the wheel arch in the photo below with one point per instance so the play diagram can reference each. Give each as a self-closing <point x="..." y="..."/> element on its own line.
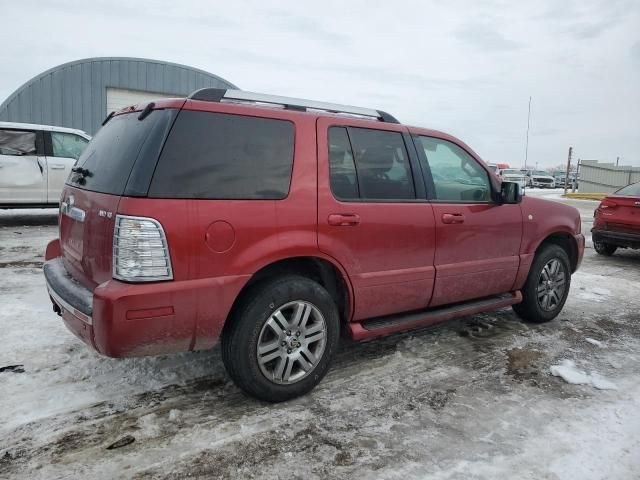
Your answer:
<point x="564" y="240"/>
<point x="326" y="271"/>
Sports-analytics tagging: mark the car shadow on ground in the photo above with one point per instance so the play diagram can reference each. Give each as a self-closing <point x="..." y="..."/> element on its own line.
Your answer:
<point x="28" y="218"/>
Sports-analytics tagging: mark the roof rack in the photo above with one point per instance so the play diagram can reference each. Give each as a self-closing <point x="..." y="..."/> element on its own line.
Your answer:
<point x="218" y="94"/>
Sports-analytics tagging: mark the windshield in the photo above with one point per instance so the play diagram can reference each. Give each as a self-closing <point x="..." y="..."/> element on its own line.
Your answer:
<point x="512" y="172"/>
<point x="632" y="190"/>
<point x="542" y="173"/>
<point x="107" y="162"/>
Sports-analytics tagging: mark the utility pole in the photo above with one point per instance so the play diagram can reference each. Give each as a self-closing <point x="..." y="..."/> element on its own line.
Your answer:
<point x="566" y="178"/>
<point x="617" y="161"/>
<point x="526" y="148"/>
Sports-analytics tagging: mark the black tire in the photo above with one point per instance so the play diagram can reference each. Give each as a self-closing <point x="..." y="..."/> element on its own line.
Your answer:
<point x="605" y="249"/>
<point x="531" y="308"/>
<point x="244" y="330"/>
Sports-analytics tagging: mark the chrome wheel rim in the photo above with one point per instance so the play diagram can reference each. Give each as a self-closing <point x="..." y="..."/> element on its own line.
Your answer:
<point x="291" y="342"/>
<point x="551" y="285"/>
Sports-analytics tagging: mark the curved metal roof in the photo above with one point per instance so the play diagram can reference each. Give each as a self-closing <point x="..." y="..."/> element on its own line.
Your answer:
<point x="74" y="94"/>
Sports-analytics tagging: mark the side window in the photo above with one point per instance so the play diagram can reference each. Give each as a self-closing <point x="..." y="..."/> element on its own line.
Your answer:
<point x="382" y="164"/>
<point x="67" y="145"/>
<point x="17" y="142"/>
<point x="457" y="176"/>
<point x="343" y="178"/>
<point x="223" y="156"/>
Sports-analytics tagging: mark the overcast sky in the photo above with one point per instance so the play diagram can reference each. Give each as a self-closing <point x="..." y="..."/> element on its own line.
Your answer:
<point x="466" y="67"/>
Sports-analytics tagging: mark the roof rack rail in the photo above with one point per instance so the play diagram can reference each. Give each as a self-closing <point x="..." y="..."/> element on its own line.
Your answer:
<point x="218" y="94"/>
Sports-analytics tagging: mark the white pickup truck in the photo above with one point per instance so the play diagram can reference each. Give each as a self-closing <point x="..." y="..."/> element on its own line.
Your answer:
<point x="35" y="161"/>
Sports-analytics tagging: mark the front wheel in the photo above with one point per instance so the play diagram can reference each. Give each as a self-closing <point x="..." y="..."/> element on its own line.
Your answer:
<point x="280" y="341"/>
<point x="547" y="287"/>
<point x="605" y="249"/>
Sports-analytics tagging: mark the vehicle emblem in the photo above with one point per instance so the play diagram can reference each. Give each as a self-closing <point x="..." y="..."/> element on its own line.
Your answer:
<point x="103" y="213"/>
<point x="637" y="203"/>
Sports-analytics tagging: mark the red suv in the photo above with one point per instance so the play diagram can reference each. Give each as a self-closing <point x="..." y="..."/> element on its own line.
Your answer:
<point x="272" y="223"/>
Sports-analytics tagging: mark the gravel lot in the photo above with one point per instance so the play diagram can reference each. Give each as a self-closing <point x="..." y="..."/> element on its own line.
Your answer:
<point x="472" y="398"/>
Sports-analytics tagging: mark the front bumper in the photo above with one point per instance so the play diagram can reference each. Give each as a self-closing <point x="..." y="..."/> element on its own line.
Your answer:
<point x="580" y="242"/>
<point x="535" y="183"/>
<point x="619" y="239"/>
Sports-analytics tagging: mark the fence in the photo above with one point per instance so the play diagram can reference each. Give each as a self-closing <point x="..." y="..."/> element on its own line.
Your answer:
<point x="596" y="177"/>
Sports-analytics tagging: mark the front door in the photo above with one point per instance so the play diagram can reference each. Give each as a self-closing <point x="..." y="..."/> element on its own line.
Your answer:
<point x="373" y="217"/>
<point x="477" y="241"/>
<point x="23" y="167"/>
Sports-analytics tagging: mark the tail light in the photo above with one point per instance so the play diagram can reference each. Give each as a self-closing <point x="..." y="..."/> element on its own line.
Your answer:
<point x="140" y="250"/>
<point x="606" y="203"/>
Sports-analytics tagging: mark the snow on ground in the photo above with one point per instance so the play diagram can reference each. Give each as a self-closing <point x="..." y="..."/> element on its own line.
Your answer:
<point x="473" y="398"/>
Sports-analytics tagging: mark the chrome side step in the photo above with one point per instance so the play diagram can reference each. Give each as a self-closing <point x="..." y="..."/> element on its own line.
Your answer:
<point x="374" y="327"/>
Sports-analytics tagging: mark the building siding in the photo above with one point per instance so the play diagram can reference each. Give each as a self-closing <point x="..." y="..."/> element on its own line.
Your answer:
<point x="74" y="94"/>
<point x="596" y="177"/>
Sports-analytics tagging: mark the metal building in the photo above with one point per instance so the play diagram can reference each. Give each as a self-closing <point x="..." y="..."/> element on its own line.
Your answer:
<point x="80" y="94"/>
<point x="597" y="177"/>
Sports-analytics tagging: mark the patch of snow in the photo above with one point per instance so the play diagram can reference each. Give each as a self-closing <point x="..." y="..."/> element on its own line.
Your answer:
<point x="595" y="342"/>
<point x="174" y="415"/>
<point x="568" y="371"/>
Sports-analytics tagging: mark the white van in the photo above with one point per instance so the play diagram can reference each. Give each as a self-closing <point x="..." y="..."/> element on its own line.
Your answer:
<point x="35" y="161"/>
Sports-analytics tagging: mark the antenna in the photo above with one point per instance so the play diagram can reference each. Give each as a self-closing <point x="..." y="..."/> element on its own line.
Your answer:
<point x="526" y="148"/>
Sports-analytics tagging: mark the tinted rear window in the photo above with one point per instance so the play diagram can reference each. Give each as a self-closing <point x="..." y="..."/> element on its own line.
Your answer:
<point x="632" y="190"/>
<point x="112" y="153"/>
<point x="222" y="156"/>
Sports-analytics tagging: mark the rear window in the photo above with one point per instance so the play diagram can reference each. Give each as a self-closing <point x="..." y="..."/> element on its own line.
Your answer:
<point x="113" y="152"/>
<point x="632" y="190"/>
<point x="222" y="156"/>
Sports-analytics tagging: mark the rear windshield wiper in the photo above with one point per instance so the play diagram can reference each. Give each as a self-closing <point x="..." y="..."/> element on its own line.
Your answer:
<point x="83" y="172"/>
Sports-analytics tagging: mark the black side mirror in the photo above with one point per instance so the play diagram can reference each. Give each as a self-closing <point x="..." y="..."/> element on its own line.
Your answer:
<point x="510" y="193"/>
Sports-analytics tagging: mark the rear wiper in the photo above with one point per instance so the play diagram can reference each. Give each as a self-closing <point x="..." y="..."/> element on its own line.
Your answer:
<point x="83" y="172"/>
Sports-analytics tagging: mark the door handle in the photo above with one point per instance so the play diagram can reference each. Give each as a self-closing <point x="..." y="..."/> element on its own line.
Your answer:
<point x="57" y="167"/>
<point x="343" y="219"/>
<point x="452" y="218"/>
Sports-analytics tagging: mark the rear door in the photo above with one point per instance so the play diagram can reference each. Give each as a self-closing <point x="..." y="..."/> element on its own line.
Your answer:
<point x="119" y="160"/>
<point x="63" y="150"/>
<point x="373" y="216"/>
<point x="477" y="241"/>
<point x="23" y="167"/>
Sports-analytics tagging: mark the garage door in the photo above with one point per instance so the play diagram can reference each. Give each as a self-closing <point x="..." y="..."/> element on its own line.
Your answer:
<point x="118" y="98"/>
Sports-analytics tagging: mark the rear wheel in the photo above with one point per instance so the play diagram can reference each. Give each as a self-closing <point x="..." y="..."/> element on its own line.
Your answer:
<point x="547" y="287"/>
<point x="281" y="340"/>
<point x="605" y="249"/>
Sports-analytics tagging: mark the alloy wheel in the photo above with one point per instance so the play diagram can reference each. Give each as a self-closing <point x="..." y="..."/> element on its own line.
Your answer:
<point x="551" y="285"/>
<point x="291" y="342"/>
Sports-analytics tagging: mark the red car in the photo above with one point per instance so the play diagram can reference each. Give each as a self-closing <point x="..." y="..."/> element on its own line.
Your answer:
<point x="272" y="224"/>
<point x="617" y="221"/>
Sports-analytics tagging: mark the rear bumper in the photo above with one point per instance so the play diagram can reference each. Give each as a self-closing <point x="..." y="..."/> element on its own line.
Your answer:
<point x="124" y="320"/>
<point x="619" y="239"/>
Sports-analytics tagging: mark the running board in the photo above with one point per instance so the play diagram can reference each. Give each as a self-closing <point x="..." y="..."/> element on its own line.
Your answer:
<point x="378" y="326"/>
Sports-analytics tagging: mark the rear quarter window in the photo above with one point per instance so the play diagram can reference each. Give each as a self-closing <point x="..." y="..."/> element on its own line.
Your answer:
<point x="223" y="156"/>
